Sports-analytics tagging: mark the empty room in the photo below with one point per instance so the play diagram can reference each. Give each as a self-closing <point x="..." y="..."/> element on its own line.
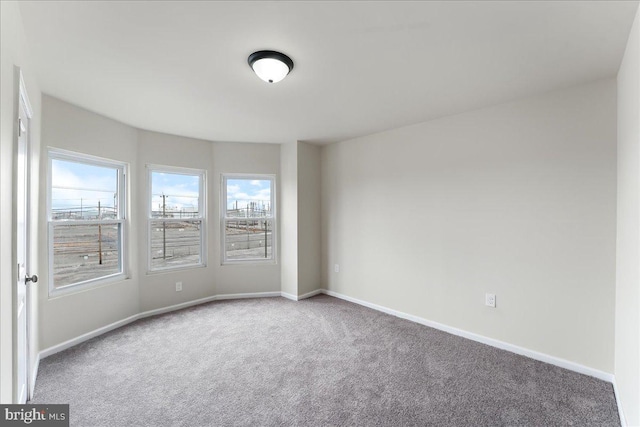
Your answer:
<point x="322" y="213"/>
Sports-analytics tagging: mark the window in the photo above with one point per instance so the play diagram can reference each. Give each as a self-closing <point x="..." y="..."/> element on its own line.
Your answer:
<point x="176" y="218"/>
<point x="248" y="218"/>
<point x="85" y="214"/>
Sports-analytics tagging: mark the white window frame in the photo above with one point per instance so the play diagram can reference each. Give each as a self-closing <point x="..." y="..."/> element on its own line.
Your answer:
<point x="273" y="218"/>
<point x="122" y="170"/>
<point x="202" y="215"/>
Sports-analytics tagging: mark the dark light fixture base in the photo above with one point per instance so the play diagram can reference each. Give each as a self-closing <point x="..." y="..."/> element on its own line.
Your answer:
<point x="270" y="54"/>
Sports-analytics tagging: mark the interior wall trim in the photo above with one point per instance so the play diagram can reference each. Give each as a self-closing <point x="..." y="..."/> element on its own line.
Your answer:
<point x="310" y="294"/>
<point x="542" y="357"/>
<point x="623" y="420"/>
<point x="566" y="364"/>
<point x="536" y="355"/>
<point x="293" y="297"/>
<point x="34" y="375"/>
<point x="115" y="325"/>
<point x="287" y="295"/>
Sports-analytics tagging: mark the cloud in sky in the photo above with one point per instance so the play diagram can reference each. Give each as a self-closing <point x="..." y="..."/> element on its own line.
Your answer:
<point x="241" y="192"/>
<point x="76" y="184"/>
<point x="181" y="191"/>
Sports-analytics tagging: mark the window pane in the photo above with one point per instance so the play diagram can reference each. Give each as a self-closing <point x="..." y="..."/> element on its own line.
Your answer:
<point x="85" y="252"/>
<point x="83" y="191"/>
<point x="175" y="195"/>
<point x="248" y="239"/>
<point x="175" y="243"/>
<point x="248" y="198"/>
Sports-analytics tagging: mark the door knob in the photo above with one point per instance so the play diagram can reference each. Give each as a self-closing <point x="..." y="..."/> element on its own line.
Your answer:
<point x="33" y="279"/>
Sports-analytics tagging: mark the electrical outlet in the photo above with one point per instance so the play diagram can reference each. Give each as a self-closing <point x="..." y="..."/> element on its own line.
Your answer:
<point x="178" y="286"/>
<point x="490" y="300"/>
<point x="336" y="268"/>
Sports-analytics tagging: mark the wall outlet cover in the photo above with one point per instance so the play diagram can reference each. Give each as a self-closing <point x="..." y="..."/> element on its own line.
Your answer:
<point x="490" y="300"/>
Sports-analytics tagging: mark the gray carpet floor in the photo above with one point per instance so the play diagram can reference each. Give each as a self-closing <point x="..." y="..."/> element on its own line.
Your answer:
<point x="317" y="362"/>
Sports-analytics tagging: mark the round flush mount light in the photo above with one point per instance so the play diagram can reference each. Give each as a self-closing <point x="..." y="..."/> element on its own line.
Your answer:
<point x="270" y="66"/>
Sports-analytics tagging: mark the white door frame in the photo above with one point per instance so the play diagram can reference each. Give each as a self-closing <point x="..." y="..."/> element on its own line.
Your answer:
<point x="21" y="392"/>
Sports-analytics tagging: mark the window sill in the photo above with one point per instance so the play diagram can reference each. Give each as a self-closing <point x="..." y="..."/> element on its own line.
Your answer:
<point x="177" y="268"/>
<point x="86" y="286"/>
<point x="250" y="262"/>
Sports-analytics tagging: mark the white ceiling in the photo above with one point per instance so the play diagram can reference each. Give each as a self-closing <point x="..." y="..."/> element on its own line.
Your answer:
<point x="360" y="67"/>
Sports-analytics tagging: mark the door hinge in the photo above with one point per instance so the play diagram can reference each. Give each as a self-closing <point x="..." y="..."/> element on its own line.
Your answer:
<point x="20" y="127"/>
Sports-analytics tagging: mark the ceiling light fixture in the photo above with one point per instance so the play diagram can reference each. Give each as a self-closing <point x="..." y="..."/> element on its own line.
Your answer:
<point x="270" y="66"/>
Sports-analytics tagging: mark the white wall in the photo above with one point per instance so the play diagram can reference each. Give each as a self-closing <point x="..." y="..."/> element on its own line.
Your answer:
<point x="300" y="256"/>
<point x="158" y="289"/>
<point x="627" y="344"/>
<point x="516" y="200"/>
<point x="72" y="128"/>
<point x="65" y="317"/>
<point x="309" y="235"/>
<point x="289" y="217"/>
<point x="244" y="159"/>
<point x="13" y="52"/>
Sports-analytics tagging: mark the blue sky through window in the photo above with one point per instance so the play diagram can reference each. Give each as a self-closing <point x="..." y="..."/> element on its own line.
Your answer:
<point x="243" y="192"/>
<point x="181" y="192"/>
<point x="79" y="186"/>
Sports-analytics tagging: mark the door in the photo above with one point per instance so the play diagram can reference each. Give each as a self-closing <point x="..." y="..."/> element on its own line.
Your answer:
<point x="21" y="360"/>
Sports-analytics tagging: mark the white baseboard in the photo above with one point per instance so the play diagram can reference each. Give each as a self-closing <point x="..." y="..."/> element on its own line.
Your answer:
<point x="174" y="307"/>
<point x="563" y="363"/>
<point x="248" y="295"/>
<point x="572" y="366"/>
<point x="289" y="296"/>
<point x="22" y="395"/>
<point x="293" y="297"/>
<point x="34" y="375"/>
<point x="310" y="294"/>
<point x="85" y="337"/>
<point x="623" y="420"/>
